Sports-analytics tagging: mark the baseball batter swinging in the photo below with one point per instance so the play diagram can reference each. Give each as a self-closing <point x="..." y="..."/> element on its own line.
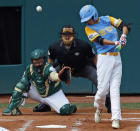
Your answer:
<point x="102" y="32"/>
<point x="43" y="84"/>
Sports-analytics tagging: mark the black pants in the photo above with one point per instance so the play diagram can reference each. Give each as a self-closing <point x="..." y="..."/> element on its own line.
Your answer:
<point x="88" y="72"/>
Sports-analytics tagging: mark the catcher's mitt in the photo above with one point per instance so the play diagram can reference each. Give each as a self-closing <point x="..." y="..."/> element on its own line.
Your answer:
<point x="65" y="74"/>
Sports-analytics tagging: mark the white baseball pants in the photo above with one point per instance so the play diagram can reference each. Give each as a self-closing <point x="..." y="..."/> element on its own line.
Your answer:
<point x="55" y="101"/>
<point x="109" y="73"/>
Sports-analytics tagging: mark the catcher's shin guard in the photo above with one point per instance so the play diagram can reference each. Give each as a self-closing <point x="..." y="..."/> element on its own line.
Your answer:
<point x="16" y="101"/>
<point x="68" y="109"/>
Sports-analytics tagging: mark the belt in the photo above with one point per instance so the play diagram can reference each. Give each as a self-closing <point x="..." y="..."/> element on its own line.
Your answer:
<point x="111" y="53"/>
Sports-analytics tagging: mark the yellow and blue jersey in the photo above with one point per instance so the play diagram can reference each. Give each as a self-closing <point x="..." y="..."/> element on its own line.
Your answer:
<point x="106" y="29"/>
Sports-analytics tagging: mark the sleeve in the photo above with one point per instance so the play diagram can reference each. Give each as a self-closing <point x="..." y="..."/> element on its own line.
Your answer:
<point x="89" y="51"/>
<point x="91" y="34"/>
<point x="24" y="84"/>
<point x="26" y="78"/>
<point x="115" y="22"/>
<point x="51" y="52"/>
<point x="53" y="75"/>
<point x="48" y="69"/>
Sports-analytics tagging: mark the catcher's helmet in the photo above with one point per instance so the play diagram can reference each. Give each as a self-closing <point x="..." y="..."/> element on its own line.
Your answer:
<point x="38" y="53"/>
<point x="87" y="12"/>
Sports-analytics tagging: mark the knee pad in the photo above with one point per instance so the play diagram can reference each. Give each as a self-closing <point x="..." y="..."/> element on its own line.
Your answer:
<point x="68" y="109"/>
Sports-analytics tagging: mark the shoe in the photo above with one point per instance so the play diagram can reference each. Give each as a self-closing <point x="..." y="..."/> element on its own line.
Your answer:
<point x="116" y="123"/>
<point x="97" y="115"/>
<point x="42" y="108"/>
<point x="14" y="112"/>
<point x="8" y="112"/>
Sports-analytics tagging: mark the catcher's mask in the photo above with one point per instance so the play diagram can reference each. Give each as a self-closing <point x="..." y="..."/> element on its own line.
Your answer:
<point x="38" y="59"/>
<point x="67" y="35"/>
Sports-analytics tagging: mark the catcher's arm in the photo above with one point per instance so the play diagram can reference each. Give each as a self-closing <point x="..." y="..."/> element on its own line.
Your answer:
<point x="63" y="75"/>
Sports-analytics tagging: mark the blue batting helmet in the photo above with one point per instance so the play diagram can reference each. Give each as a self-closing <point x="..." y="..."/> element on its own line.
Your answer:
<point x="87" y="12"/>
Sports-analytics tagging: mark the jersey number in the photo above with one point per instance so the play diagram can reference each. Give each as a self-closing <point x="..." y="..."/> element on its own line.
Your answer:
<point x="103" y="31"/>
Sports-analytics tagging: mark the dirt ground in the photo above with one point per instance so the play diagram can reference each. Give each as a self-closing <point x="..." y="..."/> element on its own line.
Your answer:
<point x="82" y="120"/>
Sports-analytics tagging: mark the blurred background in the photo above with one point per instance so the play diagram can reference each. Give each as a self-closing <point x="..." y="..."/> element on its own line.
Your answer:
<point x="22" y="29"/>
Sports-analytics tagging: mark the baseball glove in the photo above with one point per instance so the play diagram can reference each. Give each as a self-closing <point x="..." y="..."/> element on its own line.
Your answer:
<point x="65" y="74"/>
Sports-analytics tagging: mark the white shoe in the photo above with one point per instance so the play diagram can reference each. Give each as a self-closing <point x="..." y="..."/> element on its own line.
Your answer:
<point x="116" y="123"/>
<point x="97" y="115"/>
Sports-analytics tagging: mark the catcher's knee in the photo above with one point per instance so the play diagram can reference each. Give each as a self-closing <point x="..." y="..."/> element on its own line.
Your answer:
<point x="68" y="109"/>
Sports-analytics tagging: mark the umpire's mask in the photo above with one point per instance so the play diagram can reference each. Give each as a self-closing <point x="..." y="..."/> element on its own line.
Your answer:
<point x="67" y="35"/>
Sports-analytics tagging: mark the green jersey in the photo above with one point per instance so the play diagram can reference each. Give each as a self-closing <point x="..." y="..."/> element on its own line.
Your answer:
<point x="41" y="81"/>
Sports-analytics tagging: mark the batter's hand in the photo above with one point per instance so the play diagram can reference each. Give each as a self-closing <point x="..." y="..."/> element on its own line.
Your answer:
<point x="123" y="40"/>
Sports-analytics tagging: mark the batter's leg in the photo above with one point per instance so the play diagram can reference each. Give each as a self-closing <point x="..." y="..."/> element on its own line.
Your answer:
<point x="115" y="89"/>
<point x="104" y="70"/>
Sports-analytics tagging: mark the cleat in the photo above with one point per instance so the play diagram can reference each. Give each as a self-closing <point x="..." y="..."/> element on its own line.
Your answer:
<point x="14" y="112"/>
<point x="7" y="112"/>
<point x="97" y="115"/>
<point x="42" y="108"/>
<point x="116" y="123"/>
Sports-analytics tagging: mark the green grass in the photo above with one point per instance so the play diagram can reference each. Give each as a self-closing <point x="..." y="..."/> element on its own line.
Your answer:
<point x="82" y="105"/>
<point x="130" y="105"/>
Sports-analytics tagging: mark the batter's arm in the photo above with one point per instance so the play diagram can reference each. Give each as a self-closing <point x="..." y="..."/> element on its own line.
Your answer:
<point x="94" y="36"/>
<point x="103" y="41"/>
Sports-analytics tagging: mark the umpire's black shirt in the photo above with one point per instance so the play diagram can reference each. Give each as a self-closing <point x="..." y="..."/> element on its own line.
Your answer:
<point x="76" y="57"/>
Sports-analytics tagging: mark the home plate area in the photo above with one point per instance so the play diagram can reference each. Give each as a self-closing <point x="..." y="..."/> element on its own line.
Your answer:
<point x="83" y="120"/>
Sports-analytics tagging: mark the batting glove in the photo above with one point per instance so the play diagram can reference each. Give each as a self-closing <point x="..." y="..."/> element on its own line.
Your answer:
<point x="117" y="43"/>
<point x="123" y="40"/>
<point x="118" y="46"/>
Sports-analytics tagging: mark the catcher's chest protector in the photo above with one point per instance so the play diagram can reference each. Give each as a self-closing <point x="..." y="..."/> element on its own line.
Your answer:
<point x="41" y="82"/>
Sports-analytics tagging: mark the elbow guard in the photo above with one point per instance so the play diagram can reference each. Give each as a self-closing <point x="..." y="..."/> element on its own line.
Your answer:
<point x="124" y="24"/>
<point x="100" y="40"/>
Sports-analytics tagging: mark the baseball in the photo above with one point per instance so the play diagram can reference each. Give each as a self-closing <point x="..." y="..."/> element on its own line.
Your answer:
<point x="38" y="8"/>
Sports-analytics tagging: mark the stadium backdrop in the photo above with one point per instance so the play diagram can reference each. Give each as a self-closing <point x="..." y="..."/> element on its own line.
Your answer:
<point x="40" y="29"/>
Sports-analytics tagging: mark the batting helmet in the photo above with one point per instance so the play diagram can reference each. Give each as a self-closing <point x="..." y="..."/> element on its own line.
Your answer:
<point x="87" y="12"/>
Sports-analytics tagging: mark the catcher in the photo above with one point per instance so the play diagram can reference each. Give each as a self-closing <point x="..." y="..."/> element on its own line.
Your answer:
<point x="42" y="84"/>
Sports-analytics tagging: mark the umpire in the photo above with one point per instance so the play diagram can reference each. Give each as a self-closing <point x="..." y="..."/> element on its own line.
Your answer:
<point x="77" y="54"/>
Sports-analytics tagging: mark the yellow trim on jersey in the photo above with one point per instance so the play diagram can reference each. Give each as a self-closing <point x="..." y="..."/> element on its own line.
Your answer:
<point x="119" y="22"/>
<point x="115" y="22"/>
<point x="17" y="89"/>
<point x="92" y="34"/>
